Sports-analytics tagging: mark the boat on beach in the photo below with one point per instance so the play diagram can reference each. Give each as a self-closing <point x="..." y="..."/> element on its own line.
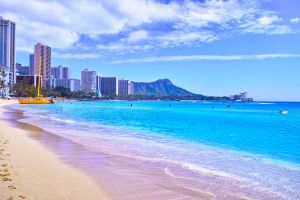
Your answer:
<point x="39" y="99"/>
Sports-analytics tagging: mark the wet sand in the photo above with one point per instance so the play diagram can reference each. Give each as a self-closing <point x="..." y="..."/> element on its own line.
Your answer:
<point x="125" y="177"/>
<point x="121" y="177"/>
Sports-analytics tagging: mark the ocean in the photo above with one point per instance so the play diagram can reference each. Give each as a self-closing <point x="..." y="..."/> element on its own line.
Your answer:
<point x="249" y="142"/>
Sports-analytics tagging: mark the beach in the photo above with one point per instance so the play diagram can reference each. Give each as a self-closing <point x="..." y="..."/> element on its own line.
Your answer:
<point x="30" y="171"/>
<point x="51" y="153"/>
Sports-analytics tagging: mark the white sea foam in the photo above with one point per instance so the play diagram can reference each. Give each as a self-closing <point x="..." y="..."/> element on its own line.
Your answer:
<point x="63" y="120"/>
<point x="215" y="172"/>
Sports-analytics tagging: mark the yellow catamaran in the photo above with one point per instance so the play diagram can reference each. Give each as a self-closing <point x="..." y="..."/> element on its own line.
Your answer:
<point x="39" y="99"/>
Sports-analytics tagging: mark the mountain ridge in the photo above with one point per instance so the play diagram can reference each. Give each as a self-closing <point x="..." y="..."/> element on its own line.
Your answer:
<point x="160" y="87"/>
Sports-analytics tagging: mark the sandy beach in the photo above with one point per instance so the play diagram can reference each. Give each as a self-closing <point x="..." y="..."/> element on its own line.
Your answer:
<point x="30" y="171"/>
<point x="46" y="157"/>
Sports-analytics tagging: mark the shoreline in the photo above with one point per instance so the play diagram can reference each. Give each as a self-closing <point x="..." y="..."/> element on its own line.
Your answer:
<point x="31" y="171"/>
<point x="133" y="177"/>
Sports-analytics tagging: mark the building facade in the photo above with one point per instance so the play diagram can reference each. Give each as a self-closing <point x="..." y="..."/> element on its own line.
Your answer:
<point x="123" y="87"/>
<point x="130" y="87"/>
<point x="22" y="70"/>
<point x="243" y="96"/>
<point x="109" y="86"/>
<point x="31" y="64"/>
<point x="51" y="82"/>
<point x="42" y="56"/>
<point x="56" y="72"/>
<point x="66" y="73"/>
<point x="74" y="85"/>
<point x="98" y="85"/>
<point x="62" y="83"/>
<point x="88" y="82"/>
<point x="60" y="72"/>
<point x="30" y="80"/>
<point x="8" y="48"/>
<point x="71" y="83"/>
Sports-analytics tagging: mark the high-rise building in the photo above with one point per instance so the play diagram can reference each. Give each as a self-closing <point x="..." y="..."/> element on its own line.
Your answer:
<point x="60" y="72"/>
<point x="62" y="83"/>
<point x="66" y="73"/>
<point x="8" y="48"/>
<point x="98" y="84"/>
<point x="56" y="72"/>
<point x="42" y="53"/>
<point x="22" y="70"/>
<point x="51" y="82"/>
<point x="123" y="87"/>
<point x="31" y="64"/>
<point x="88" y="83"/>
<point x="74" y="84"/>
<point x="71" y="83"/>
<point x="109" y="86"/>
<point x="130" y="87"/>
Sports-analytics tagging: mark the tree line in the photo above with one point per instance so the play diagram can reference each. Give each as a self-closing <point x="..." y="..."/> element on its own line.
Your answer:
<point x="23" y="89"/>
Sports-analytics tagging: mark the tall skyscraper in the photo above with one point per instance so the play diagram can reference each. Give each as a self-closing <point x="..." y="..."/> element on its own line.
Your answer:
<point x="123" y="87"/>
<point x="66" y="73"/>
<point x="31" y="64"/>
<point x="109" y="86"/>
<point x="74" y="84"/>
<point x="98" y="84"/>
<point x="62" y="83"/>
<point x="43" y="53"/>
<point x="8" y="47"/>
<point x="51" y="82"/>
<point x="71" y="83"/>
<point x="88" y="83"/>
<point x="56" y="72"/>
<point x="130" y="87"/>
<point x="60" y="72"/>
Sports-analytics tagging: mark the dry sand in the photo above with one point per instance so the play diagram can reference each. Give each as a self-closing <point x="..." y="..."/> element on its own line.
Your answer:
<point x="30" y="171"/>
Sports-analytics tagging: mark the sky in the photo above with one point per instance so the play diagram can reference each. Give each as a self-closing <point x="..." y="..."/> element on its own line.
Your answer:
<point x="211" y="47"/>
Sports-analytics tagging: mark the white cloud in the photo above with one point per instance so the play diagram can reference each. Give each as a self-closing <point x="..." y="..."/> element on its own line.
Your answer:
<point x="267" y="20"/>
<point x="61" y="24"/>
<point x="76" y="55"/>
<point x="120" y="48"/>
<point x="137" y="36"/>
<point x="295" y="20"/>
<point x="267" y="24"/>
<point x="205" y="58"/>
<point x="184" y="38"/>
<point x="30" y="32"/>
<point x="213" y="12"/>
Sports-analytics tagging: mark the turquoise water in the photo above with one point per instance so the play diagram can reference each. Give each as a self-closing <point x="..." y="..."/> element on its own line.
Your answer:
<point x="251" y="127"/>
<point x="251" y="143"/>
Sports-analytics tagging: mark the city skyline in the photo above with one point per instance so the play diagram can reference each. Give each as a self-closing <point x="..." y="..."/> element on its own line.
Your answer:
<point x="200" y="45"/>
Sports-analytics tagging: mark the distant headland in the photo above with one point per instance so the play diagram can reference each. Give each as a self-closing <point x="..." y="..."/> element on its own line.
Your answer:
<point x="161" y="89"/>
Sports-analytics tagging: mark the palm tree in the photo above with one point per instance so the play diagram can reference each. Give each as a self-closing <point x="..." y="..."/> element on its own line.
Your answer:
<point x="3" y="85"/>
<point x="1" y="88"/>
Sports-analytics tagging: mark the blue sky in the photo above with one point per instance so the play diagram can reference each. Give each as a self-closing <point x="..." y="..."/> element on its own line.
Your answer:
<point x="212" y="47"/>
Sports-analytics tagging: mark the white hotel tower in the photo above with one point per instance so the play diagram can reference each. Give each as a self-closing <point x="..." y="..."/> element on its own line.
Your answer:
<point x="8" y="48"/>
